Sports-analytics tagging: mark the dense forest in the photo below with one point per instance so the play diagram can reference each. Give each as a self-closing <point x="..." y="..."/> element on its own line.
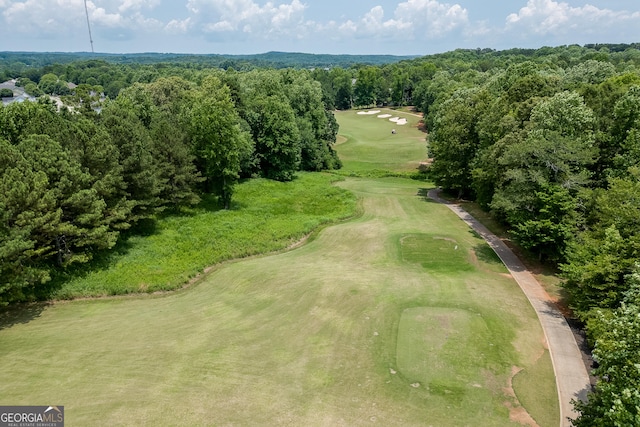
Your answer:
<point x="547" y="140"/>
<point x="277" y="60"/>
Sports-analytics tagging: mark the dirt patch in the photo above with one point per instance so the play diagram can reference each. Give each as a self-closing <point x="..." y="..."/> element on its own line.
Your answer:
<point x="473" y="258"/>
<point x="443" y="321"/>
<point x="517" y="413"/>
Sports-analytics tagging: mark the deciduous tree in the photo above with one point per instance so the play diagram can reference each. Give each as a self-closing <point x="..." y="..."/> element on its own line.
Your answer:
<point x="218" y="142"/>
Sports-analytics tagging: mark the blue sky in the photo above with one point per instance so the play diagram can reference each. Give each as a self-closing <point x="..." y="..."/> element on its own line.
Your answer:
<point x="409" y="27"/>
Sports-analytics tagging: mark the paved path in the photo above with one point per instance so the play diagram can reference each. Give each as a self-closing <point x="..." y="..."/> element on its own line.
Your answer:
<point x="572" y="378"/>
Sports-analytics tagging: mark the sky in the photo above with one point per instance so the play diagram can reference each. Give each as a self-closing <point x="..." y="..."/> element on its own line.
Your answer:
<point x="410" y="27"/>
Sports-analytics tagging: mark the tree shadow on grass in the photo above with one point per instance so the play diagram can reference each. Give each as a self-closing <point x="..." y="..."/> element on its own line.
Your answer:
<point x="485" y="253"/>
<point x="424" y="194"/>
<point x="20" y="314"/>
<point x="101" y="260"/>
<point x="208" y="203"/>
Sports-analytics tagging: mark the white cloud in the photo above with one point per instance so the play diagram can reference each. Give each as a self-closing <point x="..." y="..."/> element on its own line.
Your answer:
<point x="220" y="26"/>
<point x="60" y="18"/>
<point x="178" y="26"/>
<point x="137" y="4"/>
<point x="379" y="25"/>
<point x="347" y="27"/>
<point x="43" y="17"/>
<point x="412" y="19"/>
<point x="99" y="16"/>
<point x="247" y="16"/>
<point x="549" y="17"/>
<point x="432" y="18"/>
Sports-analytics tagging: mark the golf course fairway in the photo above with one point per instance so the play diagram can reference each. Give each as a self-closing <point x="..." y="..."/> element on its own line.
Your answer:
<point x="399" y="317"/>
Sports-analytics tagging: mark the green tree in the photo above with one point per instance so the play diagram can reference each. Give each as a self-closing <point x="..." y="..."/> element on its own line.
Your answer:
<point x="28" y="208"/>
<point x="552" y="223"/>
<point x="314" y="123"/>
<point x="218" y="142"/>
<point x="615" y="402"/>
<point x="366" y="91"/>
<point x="33" y="89"/>
<point x="454" y="141"/>
<point x="566" y="114"/>
<point x="20" y="119"/>
<point x="605" y="253"/>
<point x="53" y="85"/>
<point x="589" y="72"/>
<point x="93" y="148"/>
<point x="624" y="133"/>
<point x="328" y="93"/>
<point x="161" y="107"/>
<point x="431" y="94"/>
<point x="276" y="135"/>
<point x="82" y="228"/>
<point x="342" y="83"/>
<point x="400" y="87"/>
<point x="143" y="184"/>
<point x="544" y="173"/>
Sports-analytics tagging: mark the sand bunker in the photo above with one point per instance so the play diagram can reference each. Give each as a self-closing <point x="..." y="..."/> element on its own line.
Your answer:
<point x="398" y="120"/>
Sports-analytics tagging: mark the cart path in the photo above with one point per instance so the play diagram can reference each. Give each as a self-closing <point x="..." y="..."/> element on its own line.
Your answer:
<point x="572" y="378"/>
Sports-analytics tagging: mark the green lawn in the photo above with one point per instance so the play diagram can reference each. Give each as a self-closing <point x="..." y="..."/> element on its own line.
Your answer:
<point x="368" y="143"/>
<point x="401" y="316"/>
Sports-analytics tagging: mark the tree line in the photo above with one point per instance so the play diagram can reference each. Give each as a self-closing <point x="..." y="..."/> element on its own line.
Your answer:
<point x="553" y="152"/>
<point x="74" y="179"/>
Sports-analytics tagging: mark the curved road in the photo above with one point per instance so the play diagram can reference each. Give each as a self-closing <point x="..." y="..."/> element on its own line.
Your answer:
<point x="572" y="378"/>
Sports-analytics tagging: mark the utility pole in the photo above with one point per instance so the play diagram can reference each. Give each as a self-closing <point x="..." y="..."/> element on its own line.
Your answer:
<point x="86" y="11"/>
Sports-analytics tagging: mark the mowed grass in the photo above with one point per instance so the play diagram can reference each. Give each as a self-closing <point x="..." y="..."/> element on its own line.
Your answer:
<point x="401" y="316"/>
<point x="368" y="145"/>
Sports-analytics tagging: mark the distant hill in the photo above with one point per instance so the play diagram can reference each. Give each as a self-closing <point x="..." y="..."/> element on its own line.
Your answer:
<point x="269" y="59"/>
<point x="306" y="60"/>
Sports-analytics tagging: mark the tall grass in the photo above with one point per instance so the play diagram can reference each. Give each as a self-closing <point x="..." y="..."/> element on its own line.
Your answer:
<point x="167" y="252"/>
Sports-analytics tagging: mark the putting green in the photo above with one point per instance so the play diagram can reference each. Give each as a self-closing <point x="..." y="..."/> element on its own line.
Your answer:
<point x="435" y="253"/>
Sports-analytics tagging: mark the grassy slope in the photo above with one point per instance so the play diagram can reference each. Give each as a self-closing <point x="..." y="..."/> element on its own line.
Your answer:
<point x="266" y="216"/>
<point x="358" y="326"/>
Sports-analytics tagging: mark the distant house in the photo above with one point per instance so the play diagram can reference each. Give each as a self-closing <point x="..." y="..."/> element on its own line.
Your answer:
<point x="18" y="93"/>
